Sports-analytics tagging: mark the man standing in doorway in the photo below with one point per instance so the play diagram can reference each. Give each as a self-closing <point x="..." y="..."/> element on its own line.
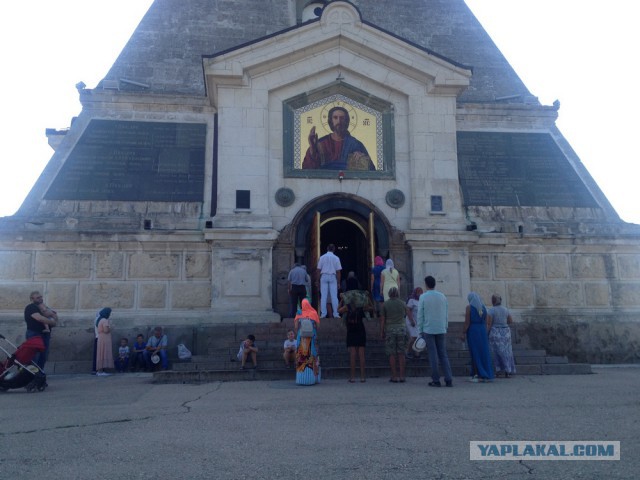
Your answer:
<point x="40" y="319"/>
<point x="329" y="268"/>
<point x="433" y="323"/>
<point x="297" y="288"/>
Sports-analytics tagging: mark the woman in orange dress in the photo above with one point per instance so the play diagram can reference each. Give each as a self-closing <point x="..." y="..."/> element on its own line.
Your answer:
<point x="307" y="359"/>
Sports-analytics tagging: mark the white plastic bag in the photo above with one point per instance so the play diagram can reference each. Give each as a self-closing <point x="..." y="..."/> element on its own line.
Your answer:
<point x="183" y="352"/>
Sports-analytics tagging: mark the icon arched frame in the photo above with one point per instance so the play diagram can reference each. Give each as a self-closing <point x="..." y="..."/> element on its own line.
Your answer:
<point x="370" y="122"/>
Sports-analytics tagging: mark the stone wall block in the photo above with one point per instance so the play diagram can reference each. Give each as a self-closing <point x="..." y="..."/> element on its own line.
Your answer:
<point x="597" y="294"/>
<point x="107" y="294"/>
<point x="519" y="295"/>
<point x="15" y="265"/>
<point x="63" y="265"/>
<point x="198" y="265"/>
<point x="593" y="266"/>
<point x="559" y="294"/>
<point x="480" y="266"/>
<point x="242" y="277"/>
<point x="518" y="266"/>
<point x="153" y="295"/>
<point x="154" y="265"/>
<point x="191" y="295"/>
<point x="62" y="296"/>
<point x="629" y="266"/>
<point x="602" y="339"/>
<point x="556" y="266"/>
<point x="487" y="289"/>
<point x="15" y="296"/>
<point x="625" y="294"/>
<point x="109" y="265"/>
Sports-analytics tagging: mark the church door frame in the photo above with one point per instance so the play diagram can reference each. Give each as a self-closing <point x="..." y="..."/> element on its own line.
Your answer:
<point x="300" y="240"/>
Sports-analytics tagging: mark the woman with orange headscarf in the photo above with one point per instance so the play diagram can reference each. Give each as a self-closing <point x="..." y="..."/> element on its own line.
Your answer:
<point x="307" y="359"/>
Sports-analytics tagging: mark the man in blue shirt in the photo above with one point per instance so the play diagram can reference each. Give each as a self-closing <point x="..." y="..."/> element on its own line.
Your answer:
<point x="297" y="288"/>
<point x="157" y="345"/>
<point x="433" y="310"/>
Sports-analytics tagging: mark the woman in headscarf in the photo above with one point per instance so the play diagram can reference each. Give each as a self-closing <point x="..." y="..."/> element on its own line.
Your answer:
<point x="475" y="329"/>
<point x="390" y="278"/>
<point x="498" y="321"/>
<point x="376" y="293"/>
<point x="104" y="348"/>
<point x="307" y="359"/>
<point x="411" y="321"/>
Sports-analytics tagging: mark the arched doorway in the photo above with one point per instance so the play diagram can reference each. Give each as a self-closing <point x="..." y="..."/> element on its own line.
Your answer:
<point x="355" y="226"/>
<point x="350" y="240"/>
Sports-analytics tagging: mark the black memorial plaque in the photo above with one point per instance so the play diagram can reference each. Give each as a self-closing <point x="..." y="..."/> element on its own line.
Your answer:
<point x="517" y="169"/>
<point x="134" y="161"/>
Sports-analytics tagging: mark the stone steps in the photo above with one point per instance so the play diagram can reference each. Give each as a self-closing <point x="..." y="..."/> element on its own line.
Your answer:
<point x="218" y="363"/>
<point x="337" y="356"/>
<point x="215" y="348"/>
<point x="333" y="373"/>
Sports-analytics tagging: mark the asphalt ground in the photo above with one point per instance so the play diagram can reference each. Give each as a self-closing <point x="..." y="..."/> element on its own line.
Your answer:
<point x="124" y="426"/>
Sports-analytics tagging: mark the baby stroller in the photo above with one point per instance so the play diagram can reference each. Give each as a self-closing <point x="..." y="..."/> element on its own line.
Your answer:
<point x="18" y="369"/>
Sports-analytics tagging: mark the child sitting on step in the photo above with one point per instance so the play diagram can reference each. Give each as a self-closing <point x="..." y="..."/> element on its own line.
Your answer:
<point x="290" y="347"/>
<point x="248" y="347"/>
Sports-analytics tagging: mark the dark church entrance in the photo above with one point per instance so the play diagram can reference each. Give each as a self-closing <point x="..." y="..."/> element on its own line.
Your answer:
<point x="357" y="229"/>
<point x="350" y="240"/>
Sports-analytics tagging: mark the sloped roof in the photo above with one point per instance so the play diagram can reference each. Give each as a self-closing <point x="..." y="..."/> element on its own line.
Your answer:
<point x="165" y="52"/>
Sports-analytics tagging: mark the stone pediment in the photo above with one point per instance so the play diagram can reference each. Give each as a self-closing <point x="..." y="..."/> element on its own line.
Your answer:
<point x="338" y="39"/>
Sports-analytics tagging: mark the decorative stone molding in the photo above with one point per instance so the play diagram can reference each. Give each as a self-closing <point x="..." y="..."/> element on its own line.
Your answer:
<point x="285" y="197"/>
<point x="395" y="198"/>
<point x="340" y="14"/>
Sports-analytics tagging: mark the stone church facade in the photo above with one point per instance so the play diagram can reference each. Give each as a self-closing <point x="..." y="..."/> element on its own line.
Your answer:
<point x="179" y="196"/>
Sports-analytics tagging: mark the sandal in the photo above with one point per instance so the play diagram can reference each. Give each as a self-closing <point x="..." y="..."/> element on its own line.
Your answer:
<point x="362" y="380"/>
<point x="393" y="380"/>
<point x="402" y="380"/>
<point x="351" y="380"/>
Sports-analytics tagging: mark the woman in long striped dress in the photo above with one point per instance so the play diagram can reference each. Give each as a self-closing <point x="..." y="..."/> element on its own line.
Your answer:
<point x="307" y="358"/>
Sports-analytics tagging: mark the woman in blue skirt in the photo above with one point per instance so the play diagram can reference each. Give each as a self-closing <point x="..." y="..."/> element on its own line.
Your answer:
<point x="307" y="359"/>
<point x="475" y="328"/>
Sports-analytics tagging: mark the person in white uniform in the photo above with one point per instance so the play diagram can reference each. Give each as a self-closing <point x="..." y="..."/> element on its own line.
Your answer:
<point x="329" y="268"/>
